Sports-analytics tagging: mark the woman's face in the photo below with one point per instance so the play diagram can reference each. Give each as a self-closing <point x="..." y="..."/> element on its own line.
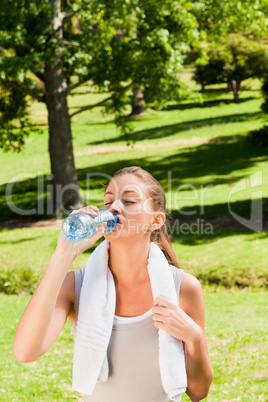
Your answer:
<point x="126" y="197"/>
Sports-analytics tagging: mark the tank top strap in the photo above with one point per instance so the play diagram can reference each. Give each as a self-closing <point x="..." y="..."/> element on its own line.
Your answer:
<point x="177" y="275"/>
<point x="79" y="276"/>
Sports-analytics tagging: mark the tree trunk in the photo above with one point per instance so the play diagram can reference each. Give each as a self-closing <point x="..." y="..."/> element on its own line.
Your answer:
<point x="235" y="85"/>
<point x="138" y="103"/>
<point x="203" y="88"/>
<point x="65" y="189"/>
<point x="229" y="87"/>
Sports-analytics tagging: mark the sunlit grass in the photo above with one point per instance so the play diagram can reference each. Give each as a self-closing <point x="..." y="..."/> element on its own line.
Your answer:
<point x="237" y="340"/>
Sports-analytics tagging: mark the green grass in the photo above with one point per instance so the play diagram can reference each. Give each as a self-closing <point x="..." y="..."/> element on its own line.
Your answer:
<point x="225" y="257"/>
<point x="218" y="156"/>
<point x="198" y="152"/>
<point x="208" y="158"/>
<point x="49" y="378"/>
<point x="237" y="339"/>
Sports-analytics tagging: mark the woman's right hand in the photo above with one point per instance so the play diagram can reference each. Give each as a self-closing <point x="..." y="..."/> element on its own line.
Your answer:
<point x="75" y="248"/>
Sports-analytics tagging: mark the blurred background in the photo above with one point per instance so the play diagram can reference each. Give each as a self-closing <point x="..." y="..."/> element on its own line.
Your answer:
<point x="179" y="88"/>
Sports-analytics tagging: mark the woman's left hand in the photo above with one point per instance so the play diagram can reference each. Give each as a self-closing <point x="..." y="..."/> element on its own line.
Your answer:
<point x="172" y="319"/>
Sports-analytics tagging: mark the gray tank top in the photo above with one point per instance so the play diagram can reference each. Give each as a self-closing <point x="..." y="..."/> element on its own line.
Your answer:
<point x="134" y="374"/>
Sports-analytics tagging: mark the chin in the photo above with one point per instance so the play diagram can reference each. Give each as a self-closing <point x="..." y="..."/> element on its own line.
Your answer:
<point x="113" y="236"/>
<point x="117" y="236"/>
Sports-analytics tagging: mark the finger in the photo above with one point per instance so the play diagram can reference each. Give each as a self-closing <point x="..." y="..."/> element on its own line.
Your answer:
<point x="160" y="325"/>
<point x="100" y="232"/>
<point x="88" y="242"/>
<point x="89" y="210"/>
<point x="158" y="310"/>
<point x="93" y="207"/>
<point x="163" y="301"/>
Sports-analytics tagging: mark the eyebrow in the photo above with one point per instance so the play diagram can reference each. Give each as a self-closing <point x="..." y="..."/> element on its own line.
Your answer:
<point x="125" y="192"/>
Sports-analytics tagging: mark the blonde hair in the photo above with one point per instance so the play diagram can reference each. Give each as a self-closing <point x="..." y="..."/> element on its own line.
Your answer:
<point x="158" y="198"/>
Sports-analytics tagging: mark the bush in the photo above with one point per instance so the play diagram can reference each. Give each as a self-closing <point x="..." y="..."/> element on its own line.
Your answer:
<point x="23" y="281"/>
<point x="259" y="137"/>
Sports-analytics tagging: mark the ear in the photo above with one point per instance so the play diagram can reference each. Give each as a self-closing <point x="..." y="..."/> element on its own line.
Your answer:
<point x="158" y="221"/>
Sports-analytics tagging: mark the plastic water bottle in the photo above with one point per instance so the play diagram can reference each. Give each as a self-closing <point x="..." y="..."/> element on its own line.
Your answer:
<point x="80" y="226"/>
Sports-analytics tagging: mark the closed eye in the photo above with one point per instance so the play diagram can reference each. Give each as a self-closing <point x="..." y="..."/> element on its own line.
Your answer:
<point x="124" y="201"/>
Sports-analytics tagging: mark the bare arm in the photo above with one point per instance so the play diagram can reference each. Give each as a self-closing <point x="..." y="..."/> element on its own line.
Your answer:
<point x="198" y="366"/>
<point x="187" y="323"/>
<point x="52" y="302"/>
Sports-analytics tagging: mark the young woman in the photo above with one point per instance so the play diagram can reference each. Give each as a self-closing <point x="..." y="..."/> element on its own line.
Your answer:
<point x="139" y="202"/>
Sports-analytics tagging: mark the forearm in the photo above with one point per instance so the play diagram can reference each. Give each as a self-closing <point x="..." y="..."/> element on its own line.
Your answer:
<point x="198" y="367"/>
<point x="34" y="324"/>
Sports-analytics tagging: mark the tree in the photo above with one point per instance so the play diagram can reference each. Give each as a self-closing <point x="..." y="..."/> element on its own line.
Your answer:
<point x="137" y="103"/>
<point x="233" y="61"/>
<point x="50" y="48"/>
<point x="220" y="18"/>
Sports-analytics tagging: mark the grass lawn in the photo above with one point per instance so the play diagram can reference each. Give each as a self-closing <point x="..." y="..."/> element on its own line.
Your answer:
<point x="213" y="179"/>
<point x="227" y="257"/>
<point x="199" y="154"/>
<point x="237" y="339"/>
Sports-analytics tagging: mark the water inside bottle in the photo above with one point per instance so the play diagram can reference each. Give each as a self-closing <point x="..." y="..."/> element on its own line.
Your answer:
<point x="107" y="216"/>
<point x="78" y="227"/>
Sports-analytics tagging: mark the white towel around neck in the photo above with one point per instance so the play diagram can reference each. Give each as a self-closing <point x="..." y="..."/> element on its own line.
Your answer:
<point x="95" y="322"/>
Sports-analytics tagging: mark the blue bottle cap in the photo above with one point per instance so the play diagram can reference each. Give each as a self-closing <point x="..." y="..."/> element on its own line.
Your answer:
<point x="116" y="218"/>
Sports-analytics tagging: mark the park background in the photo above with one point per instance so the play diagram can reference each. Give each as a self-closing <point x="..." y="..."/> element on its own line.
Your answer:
<point x="206" y="144"/>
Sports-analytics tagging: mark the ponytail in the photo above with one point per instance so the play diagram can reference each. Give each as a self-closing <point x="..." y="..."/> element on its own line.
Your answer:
<point x="161" y="238"/>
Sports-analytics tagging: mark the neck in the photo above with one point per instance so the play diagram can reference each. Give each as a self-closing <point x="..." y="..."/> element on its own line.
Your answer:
<point x="128" y="263"/>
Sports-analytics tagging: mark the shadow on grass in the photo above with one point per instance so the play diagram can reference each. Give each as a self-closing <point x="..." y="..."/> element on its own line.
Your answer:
<point x="211" y="164"/>
<point x="9" y="242"/>
<point x="171" y="129"/>
<point x="218" y="220"/>
<point x="220" y="157"/>
<point x="207" y="235"/>
<point x="205" y="104"/>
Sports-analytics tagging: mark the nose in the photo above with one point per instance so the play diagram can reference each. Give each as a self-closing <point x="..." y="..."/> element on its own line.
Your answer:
<point x="116" y="207"/>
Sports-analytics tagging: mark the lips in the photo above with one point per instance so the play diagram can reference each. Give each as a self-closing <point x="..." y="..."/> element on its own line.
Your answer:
<point x="118" y="223"/>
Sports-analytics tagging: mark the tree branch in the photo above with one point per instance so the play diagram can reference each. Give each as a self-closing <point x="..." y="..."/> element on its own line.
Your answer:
<point x="72" y="43"/>
<point x="83" y="109"/>
<point x="20" y="46"/>
<point x="69" y="14"/>
<point x="101" y="103"/>
<point x="78" y="84"/>
<point x="40" y="76"/>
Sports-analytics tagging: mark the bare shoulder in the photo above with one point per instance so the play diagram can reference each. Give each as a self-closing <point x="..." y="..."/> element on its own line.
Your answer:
<point x="190" y="285"/>
<point x="191" y="297"/>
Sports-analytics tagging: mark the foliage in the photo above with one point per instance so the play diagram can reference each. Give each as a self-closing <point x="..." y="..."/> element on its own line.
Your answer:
<point x="112" y="45"/>
<point x="21" y="280"/>
<point x="234" y="59"/>
<point x="259" y="137"/>
<point x="219" y="18"/>
<point x="14" y="120"/>
<point x="203" y="149"/>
